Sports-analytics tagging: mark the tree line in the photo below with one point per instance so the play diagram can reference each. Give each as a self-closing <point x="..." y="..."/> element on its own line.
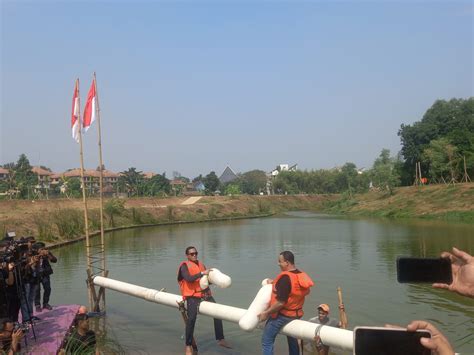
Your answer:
<point x="442" y="143"/>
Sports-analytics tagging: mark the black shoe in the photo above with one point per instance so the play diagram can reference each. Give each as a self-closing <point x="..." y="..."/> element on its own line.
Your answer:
<point x="47" y="306"/>
<point x="38" y="308"/>
<point x="35" y="318"/>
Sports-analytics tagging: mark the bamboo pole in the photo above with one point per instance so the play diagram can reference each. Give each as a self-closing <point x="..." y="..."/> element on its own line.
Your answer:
<point x="101" y="185"/>
<point x="86" y="217"/>
<point x="466" y="177"/>
<point x="342" y="311"/>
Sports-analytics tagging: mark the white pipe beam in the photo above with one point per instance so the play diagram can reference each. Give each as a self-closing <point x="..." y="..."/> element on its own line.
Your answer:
<point x="334" y="337"/>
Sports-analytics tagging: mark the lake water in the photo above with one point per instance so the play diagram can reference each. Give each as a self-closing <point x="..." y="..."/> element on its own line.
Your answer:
<point x="357" y="255"/>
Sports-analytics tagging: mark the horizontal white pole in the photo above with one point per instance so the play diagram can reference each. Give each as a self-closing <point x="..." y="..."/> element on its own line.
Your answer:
<point x="335" y="337"/>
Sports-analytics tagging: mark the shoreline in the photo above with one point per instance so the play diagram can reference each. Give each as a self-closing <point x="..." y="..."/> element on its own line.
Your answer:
<point x="61" y="222"/>
<point x="108" y="230"/>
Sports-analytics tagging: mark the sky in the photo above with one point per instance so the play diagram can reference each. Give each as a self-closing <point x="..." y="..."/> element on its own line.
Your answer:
<point x="194" y="86"/>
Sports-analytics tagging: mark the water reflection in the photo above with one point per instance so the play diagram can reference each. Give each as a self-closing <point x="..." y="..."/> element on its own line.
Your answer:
<point x="358" y="255"/>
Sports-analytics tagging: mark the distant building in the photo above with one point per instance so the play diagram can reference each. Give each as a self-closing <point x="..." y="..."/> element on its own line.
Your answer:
<point x="283" y="167"/>
<point x="228" y="176"/>
<point x="44" y="176"/>
<point x="199" y="186"/>
<point x="178" y="186"/>
<point x="274" y="173"/>
<point x="4" y="173"/>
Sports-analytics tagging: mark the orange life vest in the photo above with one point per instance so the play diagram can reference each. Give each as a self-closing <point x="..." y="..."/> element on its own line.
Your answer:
<point x="300" y="287"/>
<point x="192" y="289"/>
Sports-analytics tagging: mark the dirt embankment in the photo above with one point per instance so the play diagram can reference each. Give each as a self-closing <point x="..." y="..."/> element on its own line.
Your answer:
<point x="57" y="220"/>
<point x="447" y="202"/>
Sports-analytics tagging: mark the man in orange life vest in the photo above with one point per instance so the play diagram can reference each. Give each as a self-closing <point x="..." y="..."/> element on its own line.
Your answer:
<point x="289" y="291"/>
<point x="189" y="274"/>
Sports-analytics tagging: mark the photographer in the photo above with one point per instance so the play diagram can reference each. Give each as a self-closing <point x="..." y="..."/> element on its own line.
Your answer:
<point x="9" y="301"/>
<point x="10" y="337"/>
<point x="30" y="276"/>
<point x="44" y="272"/>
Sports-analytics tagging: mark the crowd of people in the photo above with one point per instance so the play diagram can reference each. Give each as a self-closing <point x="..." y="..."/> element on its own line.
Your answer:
<point x="25" y="269"/>
<point x="289" y="290"/>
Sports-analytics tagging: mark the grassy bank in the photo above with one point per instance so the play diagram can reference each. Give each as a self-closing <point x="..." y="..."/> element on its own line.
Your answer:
<point x="61" y="220"/>
<point x="440" y="202"/>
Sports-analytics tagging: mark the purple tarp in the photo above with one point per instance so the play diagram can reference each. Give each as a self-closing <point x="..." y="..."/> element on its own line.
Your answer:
<point x="50" y="330"/>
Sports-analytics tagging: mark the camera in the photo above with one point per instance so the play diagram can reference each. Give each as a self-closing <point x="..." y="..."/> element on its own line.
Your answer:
<point x="24" y="327"/>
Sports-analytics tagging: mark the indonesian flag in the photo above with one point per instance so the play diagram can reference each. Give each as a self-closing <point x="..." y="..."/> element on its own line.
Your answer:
<point x="75" y="124"/>
<point x="90" y="111"/>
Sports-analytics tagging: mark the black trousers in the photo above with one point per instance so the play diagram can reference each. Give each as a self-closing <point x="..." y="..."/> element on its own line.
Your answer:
<point x="14" y="307"/>
<point x="192" y="304"/>
<point x="46" y="282"/>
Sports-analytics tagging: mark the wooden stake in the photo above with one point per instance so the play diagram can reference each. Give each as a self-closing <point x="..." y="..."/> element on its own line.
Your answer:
<point x="342" y="312"/>
<point x="84" y="200"/>
<point x="417" y="181"/>
<point x="419" y="174"/>
<point x="466" y="177"/>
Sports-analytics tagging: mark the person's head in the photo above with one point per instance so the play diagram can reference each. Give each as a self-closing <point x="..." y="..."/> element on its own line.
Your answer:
<point x="3" y="246"/>
<point x="286" y="260"/>
<point x="41" y="248"/>
<point x="82" y="322"/>
<point x="82" y="310"/>
<point x="6" y="328"/>
<point x="191" y="253"/>
<point x="30" y="240"/>
<point x="323" y="311"/>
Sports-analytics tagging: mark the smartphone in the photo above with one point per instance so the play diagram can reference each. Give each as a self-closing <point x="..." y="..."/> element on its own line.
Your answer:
<point x="389" y="341"/>
<point x="421" y="270"/>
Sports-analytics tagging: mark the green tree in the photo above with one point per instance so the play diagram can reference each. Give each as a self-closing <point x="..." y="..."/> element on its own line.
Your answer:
<point x="211" y="183"/>
<point x="73" y="187"/>
<point x="198" y="178"/>
<point x="347" y="177"/>
<point x="157" y="185"/>
<point x="131" y="181"/>
<point x="253" y="182"/>
<point x="453" y="120"/>
<point x="24" y="178"/>
<point x="384" y="174"/>
<point x="443" y="160"/>
<point x="114" y="207"/>
<point x="232" y="189"/>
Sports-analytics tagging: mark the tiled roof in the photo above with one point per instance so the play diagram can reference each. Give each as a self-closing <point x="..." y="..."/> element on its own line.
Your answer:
<point x="177" y="182"/>
<point x="149" y="175"/>
<point x="40" y="171"/>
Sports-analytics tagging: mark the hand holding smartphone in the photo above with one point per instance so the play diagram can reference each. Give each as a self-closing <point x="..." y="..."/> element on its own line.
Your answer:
<point x="424" y="270"/>
<point x="389" y="341"/>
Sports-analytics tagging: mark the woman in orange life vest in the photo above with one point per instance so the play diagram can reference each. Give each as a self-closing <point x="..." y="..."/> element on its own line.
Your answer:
<point x="189" y="274"/>
<point x="289" y="291"/>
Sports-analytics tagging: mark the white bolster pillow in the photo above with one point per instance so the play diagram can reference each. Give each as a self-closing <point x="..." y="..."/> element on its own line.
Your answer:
<point x="249" y="321"/>
<point x="215" y="277"/>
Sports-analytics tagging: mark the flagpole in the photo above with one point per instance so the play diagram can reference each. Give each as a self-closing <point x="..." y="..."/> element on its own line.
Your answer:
<point x="86" y="218"/>
<point x="101" y="179"/>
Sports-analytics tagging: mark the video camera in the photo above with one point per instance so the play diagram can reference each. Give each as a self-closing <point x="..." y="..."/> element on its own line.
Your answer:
<point x="14" y="250"/>
<point x="23" y="326"/>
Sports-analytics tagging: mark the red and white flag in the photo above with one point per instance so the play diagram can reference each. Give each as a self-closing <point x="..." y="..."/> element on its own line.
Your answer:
<point x="75" y="124"/>
<point x="90" y="111"/>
